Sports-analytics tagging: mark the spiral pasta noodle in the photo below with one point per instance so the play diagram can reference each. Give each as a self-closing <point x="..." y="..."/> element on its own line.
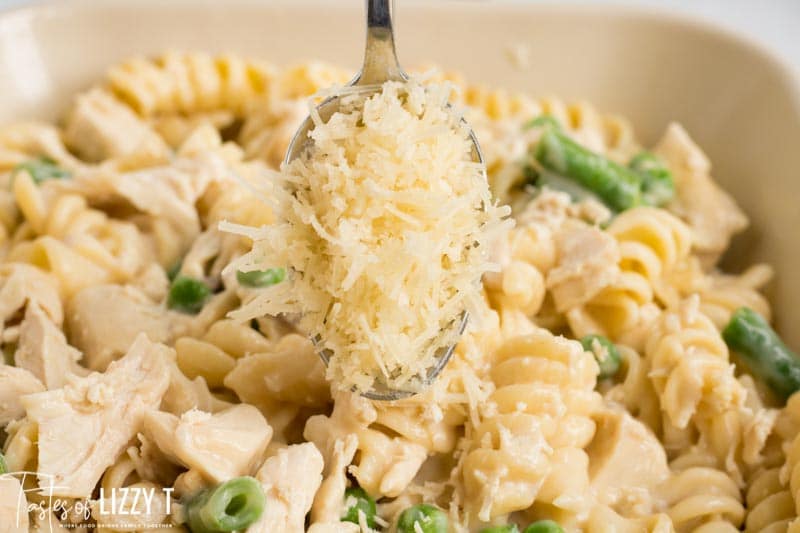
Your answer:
<point x="724" y="294"/>
<point x="701" y="497"/>
<point x="386" y="464"/>
<point x="268" y="129"/>
<point x="527" y="251"/>
<point x="635" y="390"/>
<point x="770" y="505"/>
<point x="790" y="476"/>
<point x="24" y="141"/>
<point x="531" y="446"/>
<point x="689" y="366"/>
<point x="190" y="82"/>
<point x="79" y="245"/>
<point x="652" y="244"/>
<point x="499" y="104"/>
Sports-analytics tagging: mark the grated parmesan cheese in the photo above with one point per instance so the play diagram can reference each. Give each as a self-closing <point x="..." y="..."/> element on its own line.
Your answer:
<point x="385" y="223"/>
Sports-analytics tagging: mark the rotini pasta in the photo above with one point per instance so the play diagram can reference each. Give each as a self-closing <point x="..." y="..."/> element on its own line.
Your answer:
<point x="770" y="505"/>
<point x="530" y="448"/>
<point x="725" y="294"/>
<point x="689" y="385"/>
<point x="652" y="244"/>
<point x="79" y="245"/>
<point x="693" y="377"/>
<point x="700" y="497"/>
<point x="188" y="83"/>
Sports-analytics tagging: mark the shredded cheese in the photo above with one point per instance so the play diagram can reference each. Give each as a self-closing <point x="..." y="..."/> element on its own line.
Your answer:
<point x="385" y="229"/>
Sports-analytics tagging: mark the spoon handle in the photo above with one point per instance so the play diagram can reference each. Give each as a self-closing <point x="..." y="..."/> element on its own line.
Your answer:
<point x="380" y="59"/>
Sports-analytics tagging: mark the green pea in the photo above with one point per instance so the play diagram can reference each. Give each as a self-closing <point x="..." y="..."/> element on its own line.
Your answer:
<point x="261" y="278"/>
<point x="422" y="518"/>
<point x="230" y="506"/>
<point x="357" y="500"/>
<point x="188" y="295"/>
<point x="605" y="352"/>
<point x="544" y="526"/>
<point x="508" y="528"/>
<point x="41" y="169"/>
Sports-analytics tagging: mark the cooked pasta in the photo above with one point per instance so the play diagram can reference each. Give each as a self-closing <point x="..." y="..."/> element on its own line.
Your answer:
<point x="700" y="497"/>
<point x="529" y="449"/>
<point x="596" y="385"/>
<point x="771" y="506"/>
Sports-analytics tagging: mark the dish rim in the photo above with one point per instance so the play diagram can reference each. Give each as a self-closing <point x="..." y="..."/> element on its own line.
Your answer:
<point x="654" y="13"/>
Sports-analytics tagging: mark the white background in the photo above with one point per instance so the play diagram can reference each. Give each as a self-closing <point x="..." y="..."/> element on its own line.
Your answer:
<point x="774" y="23"/>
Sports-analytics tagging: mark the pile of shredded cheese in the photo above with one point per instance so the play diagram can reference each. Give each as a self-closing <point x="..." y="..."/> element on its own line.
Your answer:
<point x="385" y="223"/>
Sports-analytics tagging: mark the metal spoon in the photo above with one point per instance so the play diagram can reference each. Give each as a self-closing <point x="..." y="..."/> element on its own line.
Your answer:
<point x="380" y="66"/>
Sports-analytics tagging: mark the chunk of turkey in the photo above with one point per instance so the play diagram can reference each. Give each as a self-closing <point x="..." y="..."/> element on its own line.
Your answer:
<point x="329" y="502"/>
<point x="221" y="446"/>
<point x="710" y="211"/>
<point x="289" y="372"/>
<point x="104" y="320"/>
<point x="626" y="460"/>
<point x="185" y="394"/>
<point x="21" y="284"/>
<point x="587" y="263"/>
<point x="101" y="127"/>
<point x="14" y="384"/>
<point x="44" y="351"/>
<point x="13" y="506"/>
<point x="99" y="413"/>
<point x="290" y="479"/>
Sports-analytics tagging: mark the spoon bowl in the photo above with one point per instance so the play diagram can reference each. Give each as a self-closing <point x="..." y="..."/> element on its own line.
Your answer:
<point x="385" y="393"/>
<point x="380" y="66"/>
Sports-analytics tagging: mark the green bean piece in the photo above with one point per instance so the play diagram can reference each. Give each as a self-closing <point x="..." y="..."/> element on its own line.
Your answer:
<point x="544" y="526"/>
<point x="605" y="353"/>
<point x="187" y="295"/>
<point x="618" y="187"/>
<point x="261" y="278"/>
<point x="558" y="182"/>
<point x="3" y="465"/>
<point x="658" y="187"/>
<point x="763" y="351"/>
<point x="42" y="169"/>
<point x="508" y="528"/>
<point x="230" y="506"/>
<point x="356" y="499"/>
<point x="542" y="121"/>
<point x="422" y="518"/>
